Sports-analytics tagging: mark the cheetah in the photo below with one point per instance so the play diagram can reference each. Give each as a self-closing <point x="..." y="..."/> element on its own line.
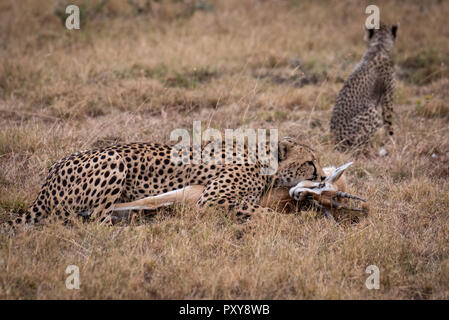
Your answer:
<point x="96" y="180"/>
<point x="356" y="115"/>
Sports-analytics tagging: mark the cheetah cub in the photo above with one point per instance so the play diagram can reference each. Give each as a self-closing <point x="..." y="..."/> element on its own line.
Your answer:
<point x="370" y="87"/>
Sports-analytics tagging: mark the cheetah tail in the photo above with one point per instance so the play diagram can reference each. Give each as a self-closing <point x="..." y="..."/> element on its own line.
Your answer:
<point x="31" y="216"/>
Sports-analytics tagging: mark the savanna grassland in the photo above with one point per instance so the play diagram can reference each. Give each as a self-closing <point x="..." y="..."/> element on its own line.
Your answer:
<point x="135" y="72"/>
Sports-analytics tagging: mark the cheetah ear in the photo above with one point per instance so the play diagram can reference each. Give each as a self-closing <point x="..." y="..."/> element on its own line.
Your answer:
<point x="369" y="33"/>
<point x="394" y="30"/>
<point x="284" y="146"/>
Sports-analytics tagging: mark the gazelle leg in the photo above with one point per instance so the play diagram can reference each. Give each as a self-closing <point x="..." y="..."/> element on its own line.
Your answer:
<point x="189" y="194"/>
<point x="327" y="213"/>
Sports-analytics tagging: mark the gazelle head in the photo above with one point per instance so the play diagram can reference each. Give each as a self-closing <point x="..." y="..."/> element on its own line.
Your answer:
<point x="326" y="193"/>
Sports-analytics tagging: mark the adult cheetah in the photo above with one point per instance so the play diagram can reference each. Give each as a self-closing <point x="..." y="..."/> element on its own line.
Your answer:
<point x="96" y="180"/>
<point x="356" y="115"/>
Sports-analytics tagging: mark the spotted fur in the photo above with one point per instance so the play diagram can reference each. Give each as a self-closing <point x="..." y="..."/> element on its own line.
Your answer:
<point x="366" y="100"/>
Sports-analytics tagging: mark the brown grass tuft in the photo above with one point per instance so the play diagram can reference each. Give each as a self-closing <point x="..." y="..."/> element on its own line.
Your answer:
<point x="134" y="74"/>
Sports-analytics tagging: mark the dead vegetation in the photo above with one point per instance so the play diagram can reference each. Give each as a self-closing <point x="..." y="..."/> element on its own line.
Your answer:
<point x="135" y="74"/>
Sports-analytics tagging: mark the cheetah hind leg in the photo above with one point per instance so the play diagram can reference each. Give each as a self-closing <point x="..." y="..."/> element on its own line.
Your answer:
<point x="366" y="125"/>
<point x="104" y="201"/>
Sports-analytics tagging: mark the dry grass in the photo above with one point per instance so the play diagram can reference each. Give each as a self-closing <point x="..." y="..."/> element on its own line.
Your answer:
<point x="128" y="76"/>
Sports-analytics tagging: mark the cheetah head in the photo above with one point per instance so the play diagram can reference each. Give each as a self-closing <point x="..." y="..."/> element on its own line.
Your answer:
<point x="297" y="162"/>
<point x="385" y="36"/>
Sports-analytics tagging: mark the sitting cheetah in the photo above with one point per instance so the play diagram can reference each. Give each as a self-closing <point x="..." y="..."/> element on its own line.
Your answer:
<point x="356" y="115"/>
<point x="96" y="180"/>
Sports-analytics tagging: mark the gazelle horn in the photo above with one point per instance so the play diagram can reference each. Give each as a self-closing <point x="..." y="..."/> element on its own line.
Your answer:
<point x="342" y="194"/>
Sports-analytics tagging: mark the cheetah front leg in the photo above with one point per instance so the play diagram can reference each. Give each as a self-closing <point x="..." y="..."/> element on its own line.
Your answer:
<point x="386" y="103"/>
<point x="241" y="196"/>
<point x="247" y="210"/>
